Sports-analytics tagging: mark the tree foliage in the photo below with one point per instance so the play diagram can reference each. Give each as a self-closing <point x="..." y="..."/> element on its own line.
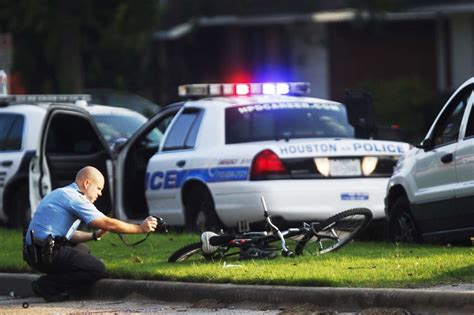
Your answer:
<point x="64" y="46"/>
<point x="393" y="99"/>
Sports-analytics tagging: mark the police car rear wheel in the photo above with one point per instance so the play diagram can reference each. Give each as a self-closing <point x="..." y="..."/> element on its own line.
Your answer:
<point x="201" y="221"/>
<point x="200" y="211"/>
<point x="402" y="226"/>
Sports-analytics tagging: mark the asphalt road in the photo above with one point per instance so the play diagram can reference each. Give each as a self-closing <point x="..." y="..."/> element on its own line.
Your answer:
<point x="12" y="305"/>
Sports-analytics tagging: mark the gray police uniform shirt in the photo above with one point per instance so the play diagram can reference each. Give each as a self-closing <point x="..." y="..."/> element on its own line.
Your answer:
<point x="61" y="212"/>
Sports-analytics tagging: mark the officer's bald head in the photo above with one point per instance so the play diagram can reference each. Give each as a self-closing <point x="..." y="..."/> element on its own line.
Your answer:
<point x="90" y="182"/>
<point x="90" y="173"/>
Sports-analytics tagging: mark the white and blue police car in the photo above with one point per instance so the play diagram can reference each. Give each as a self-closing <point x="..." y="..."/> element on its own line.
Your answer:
<point x="206" y="161"/>
<point x="22" y="120"/>
<point x="238" y="142"/>
<point x="21" y="117"/>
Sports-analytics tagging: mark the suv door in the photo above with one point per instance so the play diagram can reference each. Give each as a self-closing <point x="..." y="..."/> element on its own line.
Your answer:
<point x="69" y="141"/>
<point x="465" y="171"/>
<point x="435" y="173"/>
<point x="132" y="161"/>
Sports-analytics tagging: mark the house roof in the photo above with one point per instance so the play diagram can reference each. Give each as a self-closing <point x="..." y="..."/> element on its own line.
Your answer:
<point x="324" y="12"/>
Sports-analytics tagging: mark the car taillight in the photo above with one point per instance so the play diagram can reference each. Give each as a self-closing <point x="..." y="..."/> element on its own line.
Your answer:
<point x="267" y="163"/>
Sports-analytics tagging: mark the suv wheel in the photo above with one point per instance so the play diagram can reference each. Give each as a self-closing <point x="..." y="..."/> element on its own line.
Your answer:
<point x="402" y="226"/>
<point x="200" y="212"/>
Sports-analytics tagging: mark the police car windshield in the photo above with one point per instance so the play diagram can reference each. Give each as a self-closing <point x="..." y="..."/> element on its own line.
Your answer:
<point x="275" y="121"/>
<point x="115" y="127"/>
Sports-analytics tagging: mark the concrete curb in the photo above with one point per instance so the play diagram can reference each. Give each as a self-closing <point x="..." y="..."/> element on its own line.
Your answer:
<point x="345" y="298"/>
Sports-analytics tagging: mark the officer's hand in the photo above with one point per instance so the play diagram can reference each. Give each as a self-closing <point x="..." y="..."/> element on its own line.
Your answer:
<point x="149" y="224"/>
<point x="162" y="225"/>
<point x="100" y="232"/>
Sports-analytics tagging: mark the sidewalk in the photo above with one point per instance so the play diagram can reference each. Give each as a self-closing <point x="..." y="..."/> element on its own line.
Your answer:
<point x="443" y="299"/>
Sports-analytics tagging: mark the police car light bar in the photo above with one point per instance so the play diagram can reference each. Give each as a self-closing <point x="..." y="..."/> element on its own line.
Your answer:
<point x="232" y="89"/>
<point x="43" y="98"/>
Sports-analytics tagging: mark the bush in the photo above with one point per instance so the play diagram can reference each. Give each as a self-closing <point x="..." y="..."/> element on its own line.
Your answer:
<point x="408" y="102"/>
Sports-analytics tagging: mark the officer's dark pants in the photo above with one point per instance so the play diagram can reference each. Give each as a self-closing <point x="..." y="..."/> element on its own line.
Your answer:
<point x="72" y="268"/>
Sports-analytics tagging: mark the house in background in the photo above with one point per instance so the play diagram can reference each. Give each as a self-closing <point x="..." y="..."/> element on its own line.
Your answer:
<point x="336" y="48"/>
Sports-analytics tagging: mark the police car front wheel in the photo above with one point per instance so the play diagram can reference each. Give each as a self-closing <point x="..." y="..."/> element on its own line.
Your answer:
<point x="19" y="211"/>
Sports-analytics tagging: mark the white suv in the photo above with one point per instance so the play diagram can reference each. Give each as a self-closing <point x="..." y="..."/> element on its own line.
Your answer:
<point x="205" y="162"/>
<point x="431" y="194"/>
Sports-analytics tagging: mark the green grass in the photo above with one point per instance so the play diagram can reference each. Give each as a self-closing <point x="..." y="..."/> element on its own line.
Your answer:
<point x="359" y="264"/>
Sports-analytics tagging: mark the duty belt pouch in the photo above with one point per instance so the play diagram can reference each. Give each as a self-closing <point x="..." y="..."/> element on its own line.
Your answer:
<point x="30" y="252"/>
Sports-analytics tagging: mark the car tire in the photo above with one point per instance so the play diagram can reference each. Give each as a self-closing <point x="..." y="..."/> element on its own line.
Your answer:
<point x="200" y="211"/>
<point x="402" y="226"/>
<point x="19" y="214"/>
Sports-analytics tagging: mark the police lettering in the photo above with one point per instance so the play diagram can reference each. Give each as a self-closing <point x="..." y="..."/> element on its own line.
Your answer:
<point x="158" y="180"/>
<point x="289" y="105"/>
<point x="377" y="147"/>
<point x="309" y="148"/>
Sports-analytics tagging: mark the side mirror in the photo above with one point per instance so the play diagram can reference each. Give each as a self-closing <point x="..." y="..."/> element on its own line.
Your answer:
<point x="426" y="144"/>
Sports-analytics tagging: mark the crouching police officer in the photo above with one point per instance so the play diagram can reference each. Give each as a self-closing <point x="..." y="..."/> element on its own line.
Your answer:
<point x="52" y="242"/>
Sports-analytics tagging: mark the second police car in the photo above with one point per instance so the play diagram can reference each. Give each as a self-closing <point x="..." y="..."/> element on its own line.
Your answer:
<point x="205" y="162"/>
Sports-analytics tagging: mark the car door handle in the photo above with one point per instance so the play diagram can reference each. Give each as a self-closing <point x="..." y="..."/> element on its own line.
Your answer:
<point x="447" y="158"/>
<point x="7" y="163"/>
<point x="181" y="163"/>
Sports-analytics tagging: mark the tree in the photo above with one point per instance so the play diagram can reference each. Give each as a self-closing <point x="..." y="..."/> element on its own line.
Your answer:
<point x="63" y="46"/>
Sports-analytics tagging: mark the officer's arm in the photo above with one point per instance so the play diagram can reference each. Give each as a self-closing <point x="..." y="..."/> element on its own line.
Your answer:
<point x="80" y="237"/>
<point x="114" y="225"/>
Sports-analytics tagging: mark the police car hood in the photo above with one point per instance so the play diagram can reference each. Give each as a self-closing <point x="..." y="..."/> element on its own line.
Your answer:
<point x="335" y="147"/>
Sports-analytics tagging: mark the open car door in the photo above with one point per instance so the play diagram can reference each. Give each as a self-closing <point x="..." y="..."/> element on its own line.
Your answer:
<point x="131" y="164"/>
<point x="70" y="140"/>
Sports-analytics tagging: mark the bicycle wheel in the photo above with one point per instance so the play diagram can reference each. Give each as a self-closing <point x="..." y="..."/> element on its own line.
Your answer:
<point x="185" y="252"/>
<point x="334" y="232"/>
<point x="194" y="252"/>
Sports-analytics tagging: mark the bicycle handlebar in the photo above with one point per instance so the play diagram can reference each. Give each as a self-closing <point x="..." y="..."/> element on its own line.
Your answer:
<point x="285" y="251"/>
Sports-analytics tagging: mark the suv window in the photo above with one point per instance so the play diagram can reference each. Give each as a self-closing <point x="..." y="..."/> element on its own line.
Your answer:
<point x="275" y="121"/>
<point x="447" y="128"/>
<point x="470" y="125"/>
<point x="184" y="131"/>
<point x="11" y="132"/>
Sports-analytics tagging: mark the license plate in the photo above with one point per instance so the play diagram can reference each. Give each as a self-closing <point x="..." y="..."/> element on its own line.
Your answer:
<point x="345" y="167"/>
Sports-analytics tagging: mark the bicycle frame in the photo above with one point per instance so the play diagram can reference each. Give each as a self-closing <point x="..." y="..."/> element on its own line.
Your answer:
<point x="329" y="235"/>
<point x="264" y="238"/>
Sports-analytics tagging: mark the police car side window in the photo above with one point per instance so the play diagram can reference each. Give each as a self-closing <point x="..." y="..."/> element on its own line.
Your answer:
<point x="69" y="134"/>
<point x="11" y="132"/>
<point x="447" y="128"/>
<point x="184" y="131"/>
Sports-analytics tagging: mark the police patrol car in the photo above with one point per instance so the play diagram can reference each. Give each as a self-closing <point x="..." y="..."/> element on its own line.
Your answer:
<point x="20" y="123"/>
<point x="21" y="118"/>
<point x="205" y="162"/>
